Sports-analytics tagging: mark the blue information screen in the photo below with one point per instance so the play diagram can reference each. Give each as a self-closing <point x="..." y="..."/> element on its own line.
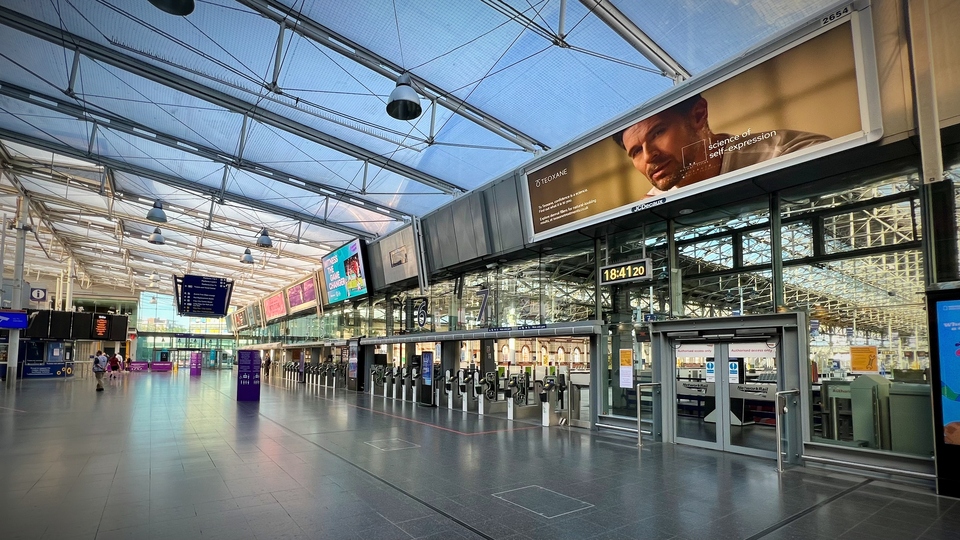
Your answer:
<point x="426" y="359"/>
<point x="948" y="338"/>
<point x="343" y="273"/>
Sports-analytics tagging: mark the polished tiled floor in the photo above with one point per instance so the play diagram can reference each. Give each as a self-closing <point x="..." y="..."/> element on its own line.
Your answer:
<point x="169" y="456"/>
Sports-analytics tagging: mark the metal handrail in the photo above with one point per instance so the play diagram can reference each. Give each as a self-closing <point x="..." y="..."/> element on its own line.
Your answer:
<point x="783" y="410"/>
<point x="640" y="430"/>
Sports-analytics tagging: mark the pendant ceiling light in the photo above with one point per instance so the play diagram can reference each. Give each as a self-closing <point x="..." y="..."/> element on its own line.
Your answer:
<point x="174" y="7"/>
<point x="247" y="257"/>
<point x="404" y="103"/>
<point x="264" y="239"/>
<point x="156" y="214"/>
<point x="156" y="237"/>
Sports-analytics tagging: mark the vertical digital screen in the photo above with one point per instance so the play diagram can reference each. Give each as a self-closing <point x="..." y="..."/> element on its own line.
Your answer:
<point x="101" y="326"/>
<point x="344" y="274"/>
<point x="60" y="324"/>
<point x="118" y="328"/>
<point x="82" y="326"/>
<point x="948" y="344"/>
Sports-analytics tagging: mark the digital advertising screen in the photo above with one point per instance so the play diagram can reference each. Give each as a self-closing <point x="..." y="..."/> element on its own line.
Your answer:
<point x="948" y="345"/>
<point x="302" y="295"/>
<point x="254" y="315"/>
<point x="344" y="273"/>
<point x="240" y="319"/>
<point x="274" y="306"/>
<point x="796" y="103"/>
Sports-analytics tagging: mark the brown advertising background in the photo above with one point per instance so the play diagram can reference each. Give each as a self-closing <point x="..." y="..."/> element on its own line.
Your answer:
<point x="811" y="87"/>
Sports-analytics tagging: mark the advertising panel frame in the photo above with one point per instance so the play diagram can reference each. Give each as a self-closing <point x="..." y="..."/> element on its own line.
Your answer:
<point x="271" y="300"/>
<point x="303" y="306"/>
<point x="944" y="340"/>
<point x="859" y="17"/>
<point x="362" y="267"/>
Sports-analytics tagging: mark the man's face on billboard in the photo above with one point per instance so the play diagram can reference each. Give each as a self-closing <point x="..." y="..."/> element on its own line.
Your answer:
<point x="669" y="147"/>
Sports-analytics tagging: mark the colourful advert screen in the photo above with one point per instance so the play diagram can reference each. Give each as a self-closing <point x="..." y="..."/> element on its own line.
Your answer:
<point x="274" y="306"/>
<point x="343" y="273"/>
<point x="302" y="295"/>
<point x="948" y="338"/>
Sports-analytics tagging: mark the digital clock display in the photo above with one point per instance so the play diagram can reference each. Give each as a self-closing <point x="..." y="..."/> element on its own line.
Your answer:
<point x="625" y="272"/>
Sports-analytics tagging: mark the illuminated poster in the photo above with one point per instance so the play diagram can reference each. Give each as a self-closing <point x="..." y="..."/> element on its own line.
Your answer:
<point x="796" y="104"/>
<point x="398" y="252"/>
<point x="302" y="295"/>
<point x="948" y="340"/>
<point x="343" y="273"/>
<point x="274" y="306"/>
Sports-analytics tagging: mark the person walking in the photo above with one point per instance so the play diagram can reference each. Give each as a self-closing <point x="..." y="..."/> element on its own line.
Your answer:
<point x="114" y="366"/>
<point x="98" y="373"/>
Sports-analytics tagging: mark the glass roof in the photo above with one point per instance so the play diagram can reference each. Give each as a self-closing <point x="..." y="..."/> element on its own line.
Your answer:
<point x="107" y="106"/>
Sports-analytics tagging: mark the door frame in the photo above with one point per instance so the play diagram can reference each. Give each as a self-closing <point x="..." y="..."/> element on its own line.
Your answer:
<point x="790" y="329"/>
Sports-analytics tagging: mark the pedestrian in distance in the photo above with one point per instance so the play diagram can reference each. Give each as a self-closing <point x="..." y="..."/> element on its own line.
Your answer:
<point x="98" y="370"/>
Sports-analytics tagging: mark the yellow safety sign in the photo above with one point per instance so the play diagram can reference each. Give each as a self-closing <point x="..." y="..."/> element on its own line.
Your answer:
<point x="864" y="358"/>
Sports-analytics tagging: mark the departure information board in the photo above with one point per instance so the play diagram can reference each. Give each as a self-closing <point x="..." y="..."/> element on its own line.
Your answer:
<point x="201" y="296"/>
<point x="101" y="326"/>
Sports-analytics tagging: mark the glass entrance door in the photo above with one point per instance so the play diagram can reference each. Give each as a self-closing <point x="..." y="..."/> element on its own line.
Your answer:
<point x="725" y="396"/>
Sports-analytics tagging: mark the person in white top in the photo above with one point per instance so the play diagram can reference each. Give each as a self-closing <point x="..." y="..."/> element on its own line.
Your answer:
<point x="676" y="148"/>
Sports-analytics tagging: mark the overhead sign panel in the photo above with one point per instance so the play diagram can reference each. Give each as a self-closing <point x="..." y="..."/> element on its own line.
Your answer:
<point x="813" y="96"/>
<point x="302" y="295"/>
<point x="274" y="306"/>
<point x="398" y="254"/>
<point x="344" y="273"/>
<point x="202" y="296"/>
<point x="101" y="326"/>
<point x="13" y="320"/>
<point x="240" y="320"/>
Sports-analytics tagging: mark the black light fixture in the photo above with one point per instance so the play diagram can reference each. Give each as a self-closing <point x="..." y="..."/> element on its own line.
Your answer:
<point x="156" y="237"/>
<point x="263" y="240"/>
<point x="156" y="214"/>
<point x="247" y="257"/>
<point x="404" y="103"/>
<point x="174" y="7"/>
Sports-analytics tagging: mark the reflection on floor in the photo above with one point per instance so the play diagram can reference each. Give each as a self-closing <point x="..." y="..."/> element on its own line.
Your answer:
<point x="169" y="456"/>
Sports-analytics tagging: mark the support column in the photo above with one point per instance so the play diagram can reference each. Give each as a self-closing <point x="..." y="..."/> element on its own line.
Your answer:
<point x="673" y="266"/>
<point x="13" y="343"/>
<point x="68" y="301"/>
<point x="776" y="252"/>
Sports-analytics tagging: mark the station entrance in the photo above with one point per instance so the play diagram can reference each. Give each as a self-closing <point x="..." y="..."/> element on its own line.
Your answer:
<point x="719" y="380"/>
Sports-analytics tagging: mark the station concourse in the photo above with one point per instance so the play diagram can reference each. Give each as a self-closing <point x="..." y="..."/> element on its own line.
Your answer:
<point x="495" y="269"/>
<point x="157" y="456"/>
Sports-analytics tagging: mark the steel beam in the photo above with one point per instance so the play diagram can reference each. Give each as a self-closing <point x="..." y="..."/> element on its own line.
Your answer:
<point x="106" y="120"/>
<point x="319" y="34"/>
<point x="181" y="183"/>
<point x="115" y="58"/>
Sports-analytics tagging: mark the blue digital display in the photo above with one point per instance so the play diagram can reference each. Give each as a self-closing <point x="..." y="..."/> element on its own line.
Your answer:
<point x="948" y="339"/>
<point x="343" y="273"/>
<point x="11" y="320"/>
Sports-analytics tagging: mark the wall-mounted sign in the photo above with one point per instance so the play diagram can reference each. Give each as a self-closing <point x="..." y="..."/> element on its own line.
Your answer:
<point x="757" y="349"/>
<point x="38" y="294"/>
<point x="819" y="96"/>
<point x="864" y="359"/>
<point x="13" y="320"/>
<point x="695" y="350"/>
<point x="625" y="272"/>
<point x="626" y="368"/>
<point x="398" y="255"/>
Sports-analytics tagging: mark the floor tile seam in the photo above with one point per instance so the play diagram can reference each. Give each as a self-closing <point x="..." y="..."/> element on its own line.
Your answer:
<point x="810" y="510"/>
<point x="380" y="479"/>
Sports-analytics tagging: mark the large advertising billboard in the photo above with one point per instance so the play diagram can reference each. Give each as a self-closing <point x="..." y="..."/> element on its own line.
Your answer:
<point x="344" y="273"/>
<point x="948" y="344"/>
<point x="807" y="99"/>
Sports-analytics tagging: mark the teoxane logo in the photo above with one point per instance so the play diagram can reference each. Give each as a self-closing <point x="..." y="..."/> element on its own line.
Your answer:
<point x="550" y="178"/>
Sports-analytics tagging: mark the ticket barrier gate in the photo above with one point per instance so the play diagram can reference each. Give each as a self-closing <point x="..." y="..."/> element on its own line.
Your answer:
<point x="489" y="401"/>
<point x="415" y="381"/>
<point x="552" y="390"/>
<point x="407" y="385"/>
<point x="396" y="381"/>
<point x="340" y="376"/>
<point x="377" y="379"/>
<point x="519" y="402"/>
<point x="451" y="387"/>
<point x="329" y="377"/>
<point x="311" y="373"/>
